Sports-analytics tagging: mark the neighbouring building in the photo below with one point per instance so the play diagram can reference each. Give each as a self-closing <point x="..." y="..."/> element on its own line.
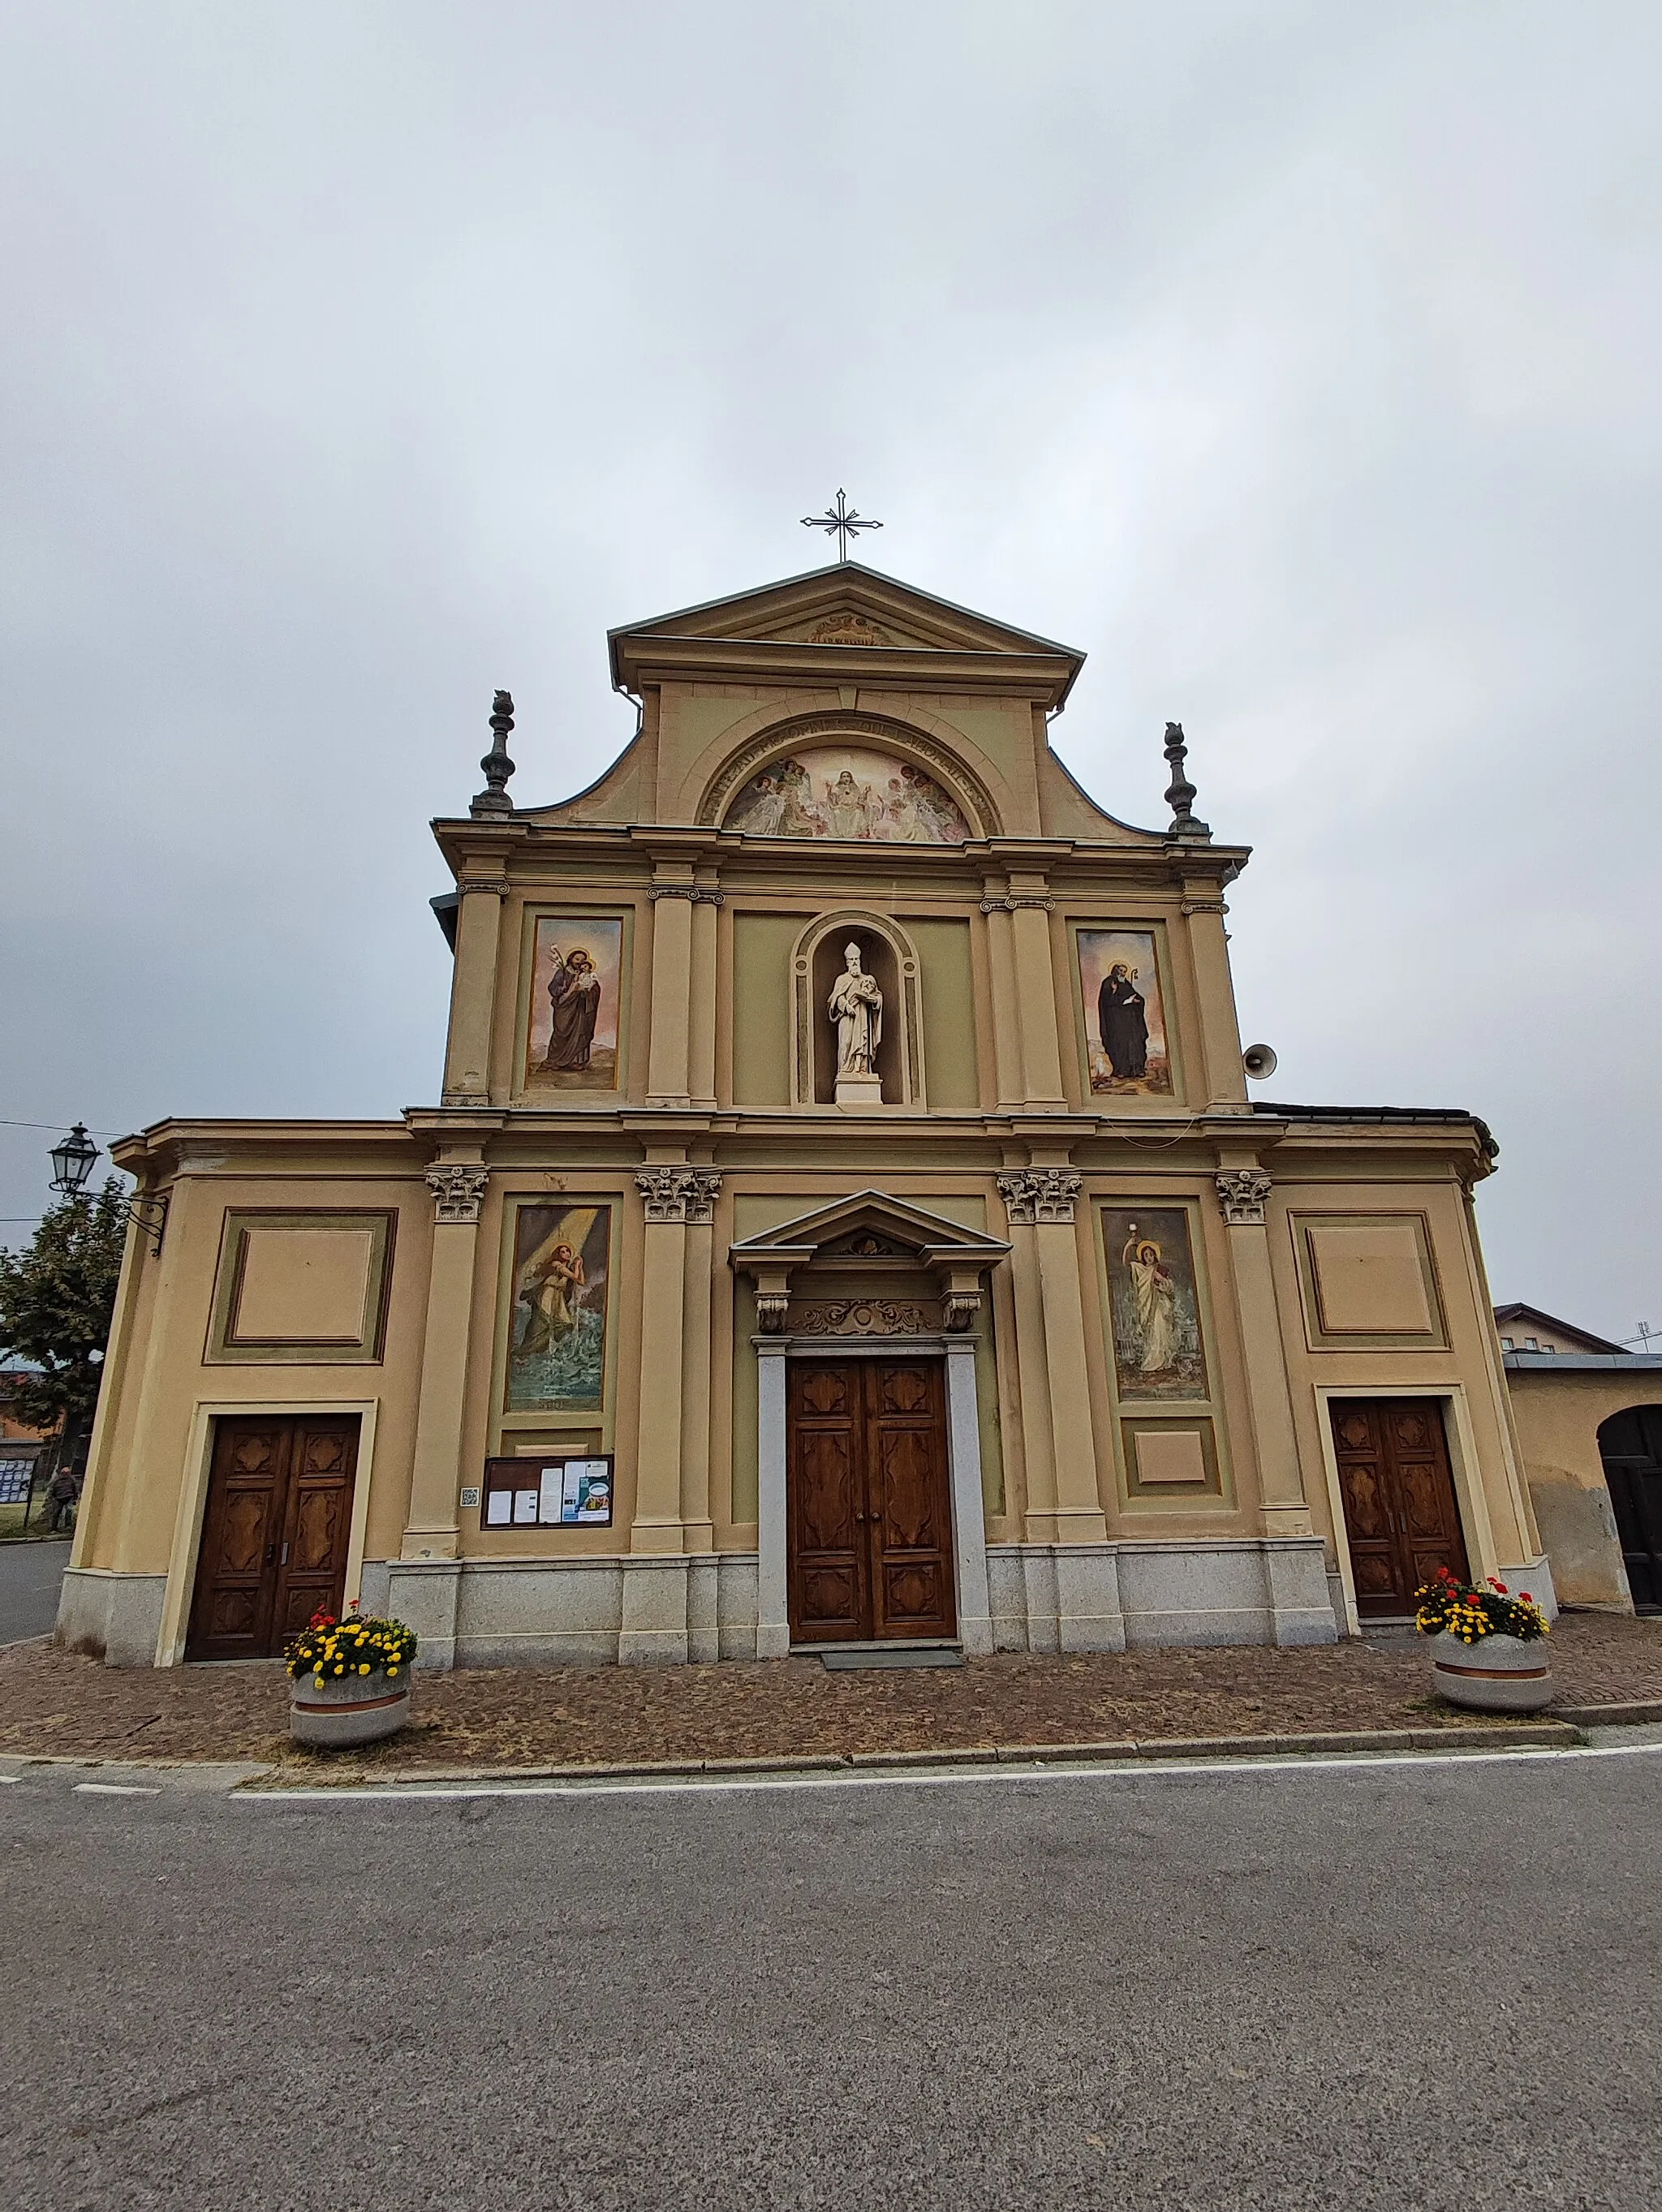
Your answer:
<point x="1588" y="1415"/>
<point x="843" y="1219"/>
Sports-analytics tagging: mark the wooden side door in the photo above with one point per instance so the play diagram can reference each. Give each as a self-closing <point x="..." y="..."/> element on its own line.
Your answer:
<point x="317" y="1525"/>
<point x="275" y="1532"/>
<point x="1630" y="1445"/>
<point x="1402" y="1518"/>
<point x="236" y="1564"/>
<point x="909" y="1504"/>
<point x="828" y="1582"/>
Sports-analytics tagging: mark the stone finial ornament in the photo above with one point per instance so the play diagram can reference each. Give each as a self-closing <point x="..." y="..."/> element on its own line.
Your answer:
<point x="494" y="798"/>
<point x="1180" y="792"/>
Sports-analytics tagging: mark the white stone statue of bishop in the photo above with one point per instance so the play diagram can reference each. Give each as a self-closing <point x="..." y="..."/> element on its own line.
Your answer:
<point x="856" y="1007"/>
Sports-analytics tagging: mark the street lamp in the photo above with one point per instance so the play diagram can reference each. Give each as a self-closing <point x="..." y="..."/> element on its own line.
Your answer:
<point x="72" y="1160"/>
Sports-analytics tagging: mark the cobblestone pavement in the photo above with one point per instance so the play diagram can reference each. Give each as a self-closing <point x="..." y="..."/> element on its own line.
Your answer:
<point x="56" y="1703"/>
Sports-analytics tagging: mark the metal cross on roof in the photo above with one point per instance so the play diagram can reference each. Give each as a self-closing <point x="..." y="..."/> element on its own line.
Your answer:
<point x="843" y="519"/>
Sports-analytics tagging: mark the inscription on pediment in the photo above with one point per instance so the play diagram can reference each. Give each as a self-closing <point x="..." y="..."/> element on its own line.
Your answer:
<point x="846" y="628"/>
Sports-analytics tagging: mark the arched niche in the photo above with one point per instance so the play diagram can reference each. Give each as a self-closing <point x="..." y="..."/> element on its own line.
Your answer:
<point x="817" y="959"/>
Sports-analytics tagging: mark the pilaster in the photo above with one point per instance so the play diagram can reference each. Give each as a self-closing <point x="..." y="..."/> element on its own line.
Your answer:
<point x="675" y="1196"/>
<point x="458" y="1185"/>
<point x="1041" y="1202"/>
<point x="1030" y="907"/>
<point x="1007" y="1020"/>
<point x="698" y="1527"/>
<point x="701" y="1013"/>
<point x="673" y="895"/>
<point x="1203" y="909"/>
<point x="1243" y="1191"/>
<point x="473" y="983"/>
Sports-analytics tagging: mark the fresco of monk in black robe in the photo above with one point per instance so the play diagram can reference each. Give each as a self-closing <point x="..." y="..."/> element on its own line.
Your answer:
<point x="576" y="978"/>
<point x="1125" y="1045"/>
<point x="1123" y="1025"/>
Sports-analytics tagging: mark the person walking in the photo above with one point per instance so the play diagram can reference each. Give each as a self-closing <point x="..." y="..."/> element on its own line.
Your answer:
<point x="62" y="1493"/>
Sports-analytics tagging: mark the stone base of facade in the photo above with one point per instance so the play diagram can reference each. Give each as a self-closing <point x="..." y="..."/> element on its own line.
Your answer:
<point x="645" y="1611"/>
<point x="679" y="1609"/>
<point x="115" y="1618"/>
<point x="672" y="1610"/>
<point x="1140" y="1596"/>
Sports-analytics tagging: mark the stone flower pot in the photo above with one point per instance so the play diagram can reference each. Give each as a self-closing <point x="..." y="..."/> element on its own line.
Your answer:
<point x="1495" y="1674"/>
<point x="347" y="1710"/>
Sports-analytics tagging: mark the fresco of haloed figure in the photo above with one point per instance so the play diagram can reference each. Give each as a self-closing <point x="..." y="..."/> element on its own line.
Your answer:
<point x="557" y="1359"/>
<point x="576" y="973"/>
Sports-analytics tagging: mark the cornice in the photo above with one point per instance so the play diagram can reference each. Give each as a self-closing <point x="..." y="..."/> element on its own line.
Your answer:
<point x="649" y="658"/>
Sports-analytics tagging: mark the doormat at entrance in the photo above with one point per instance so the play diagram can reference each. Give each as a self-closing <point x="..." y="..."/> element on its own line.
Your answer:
<point x="838" y="1661"/>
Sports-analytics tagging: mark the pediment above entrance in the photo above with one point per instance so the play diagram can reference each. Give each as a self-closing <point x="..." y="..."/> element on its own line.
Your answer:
<point x="871" y="1251"/>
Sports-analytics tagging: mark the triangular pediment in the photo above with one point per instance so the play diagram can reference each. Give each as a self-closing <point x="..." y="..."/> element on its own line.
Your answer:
<point x="893" y="1227"/>
<point x="845" y="605"/>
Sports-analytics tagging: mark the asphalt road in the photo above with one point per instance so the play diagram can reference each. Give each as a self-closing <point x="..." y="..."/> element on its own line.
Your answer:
<point x="1386" y="1986"/>
<point x="30" y="1578"/>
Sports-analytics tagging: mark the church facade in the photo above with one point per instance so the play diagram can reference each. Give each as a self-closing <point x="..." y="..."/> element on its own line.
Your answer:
<point x="843" y="1220"/>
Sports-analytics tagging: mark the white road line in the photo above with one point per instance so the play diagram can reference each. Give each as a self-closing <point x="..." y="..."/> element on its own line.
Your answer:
<point x="117" y="1789"/>
<point x="1167" y="1769"/>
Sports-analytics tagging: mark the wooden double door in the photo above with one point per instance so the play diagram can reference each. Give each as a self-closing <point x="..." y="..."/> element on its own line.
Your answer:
<point x="869" y="1506"/>
<point x="1630" y="1446"/>
<point x="275" y="1533"/>
<point x="1401" y="1515"/>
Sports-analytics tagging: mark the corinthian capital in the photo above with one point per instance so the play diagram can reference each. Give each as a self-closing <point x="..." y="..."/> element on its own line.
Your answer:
<point x="1243" y="1191"/>
<point x="1033" y="1196"/>
<point x="685" y="1195"/>
<point x="458" y="1188"/>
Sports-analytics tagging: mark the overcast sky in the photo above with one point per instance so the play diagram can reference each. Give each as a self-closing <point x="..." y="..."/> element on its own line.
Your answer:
<point x="1298" y="362"/>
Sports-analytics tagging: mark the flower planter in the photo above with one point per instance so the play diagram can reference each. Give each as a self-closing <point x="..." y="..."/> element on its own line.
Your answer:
<point x="348" y="1709"/>
<point x="1493" y="1674"/>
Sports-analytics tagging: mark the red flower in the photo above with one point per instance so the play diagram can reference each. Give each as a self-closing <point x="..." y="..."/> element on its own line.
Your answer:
<point x="1527" y="1599"/>
<point x="321" y="1619"/>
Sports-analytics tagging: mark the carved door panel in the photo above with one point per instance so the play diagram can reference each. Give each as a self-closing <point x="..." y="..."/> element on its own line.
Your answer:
<point x="868" y="1512"/>
<point x="829" y="1597"/>
<point x="1430" y="1516"/>
<point x="274" y="1533"/>
<point x="911" y="1512"/>
<point x="1401" y="1519"/>
<point x="312" y="1559"/>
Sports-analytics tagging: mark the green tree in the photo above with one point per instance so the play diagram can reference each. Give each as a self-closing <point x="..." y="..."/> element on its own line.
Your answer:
<point x="55" y="1300"/>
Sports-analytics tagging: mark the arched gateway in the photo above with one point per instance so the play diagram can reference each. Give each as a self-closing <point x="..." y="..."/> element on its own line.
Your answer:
<point x="844" y="1220"/>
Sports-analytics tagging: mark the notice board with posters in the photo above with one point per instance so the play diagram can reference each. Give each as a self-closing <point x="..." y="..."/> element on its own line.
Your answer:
<point x="547" y="1492"/>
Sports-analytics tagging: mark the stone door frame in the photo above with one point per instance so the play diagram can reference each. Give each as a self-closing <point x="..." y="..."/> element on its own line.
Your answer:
<point x="975" y="1626"/>
<point x="1458" y="1433"/>
<point x="194" y="1501"/>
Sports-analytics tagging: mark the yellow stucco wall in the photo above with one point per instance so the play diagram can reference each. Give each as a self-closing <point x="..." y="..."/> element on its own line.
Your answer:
<point x="1558" y="1416"/>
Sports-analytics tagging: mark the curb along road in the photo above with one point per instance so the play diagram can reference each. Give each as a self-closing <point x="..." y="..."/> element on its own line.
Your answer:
<point x="1569" y="1732"/>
